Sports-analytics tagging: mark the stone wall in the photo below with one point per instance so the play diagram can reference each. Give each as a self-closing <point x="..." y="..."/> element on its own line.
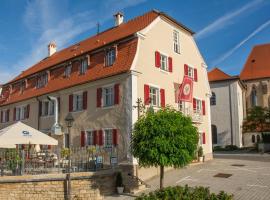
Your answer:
<point x="53" y="187"/>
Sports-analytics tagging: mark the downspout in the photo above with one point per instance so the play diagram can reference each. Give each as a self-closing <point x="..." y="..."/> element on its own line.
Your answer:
<point x="56" y="127"/>
<point x="230" y="104"/>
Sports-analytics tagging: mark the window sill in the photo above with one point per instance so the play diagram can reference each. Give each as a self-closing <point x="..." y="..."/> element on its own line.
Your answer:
<point x="46" y="116"/>
<point x="77" y="111"/>
<point x="164" y="71"/>
<point x="108" y="107"/>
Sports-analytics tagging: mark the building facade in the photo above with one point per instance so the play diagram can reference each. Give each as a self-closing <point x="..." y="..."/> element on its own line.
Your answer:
<point x="256" y="76"/>
<point x="227" y="108"/>
<point x="100" y="79"/>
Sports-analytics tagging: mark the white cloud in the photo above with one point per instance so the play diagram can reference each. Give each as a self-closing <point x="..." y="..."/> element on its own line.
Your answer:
<point x="231" y="51"/>
<point x="45" y="19"/>
<point x="226" y="20"/>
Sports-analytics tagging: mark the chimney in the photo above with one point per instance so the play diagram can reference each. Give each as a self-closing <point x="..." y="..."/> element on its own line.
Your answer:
<point x="51" y="48"/>
<point x="118" y="18"/>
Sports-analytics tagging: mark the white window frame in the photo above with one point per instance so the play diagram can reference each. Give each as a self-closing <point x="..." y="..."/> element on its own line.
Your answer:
<point x="77" y="106"/>
<point x="190" y="72"/>
<point x="176" y="42"/>
<point x="20" y="112"/>
<point x="157" y="95"/>
<point x="199" y="108"/>
<point x="110" y="57"/>
<point x="108" y="142"/>
<point x="50" y="109"/>
<point x="90" y="132"/>
<point x="84" y="66"/>
<point x="106" y="103"/>
<point x="42" y="80"/>
<point x="4" y="117"/>
<point x="68" y="70"/>
<point x="164" y="64"/>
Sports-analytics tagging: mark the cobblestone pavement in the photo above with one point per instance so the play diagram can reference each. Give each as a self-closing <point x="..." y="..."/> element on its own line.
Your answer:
<point x="249" y="180"/>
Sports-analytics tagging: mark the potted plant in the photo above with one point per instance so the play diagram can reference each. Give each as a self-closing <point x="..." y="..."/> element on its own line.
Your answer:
<point x="200" y="154"/>
<point x="119" y="183"/>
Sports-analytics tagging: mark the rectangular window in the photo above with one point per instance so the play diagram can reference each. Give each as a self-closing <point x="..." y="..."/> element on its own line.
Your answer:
<point x="84" y="65"/>
<point x="23" y="86"/>
<point x="181" y="106"/>
<point x="198" y="109"/>
<point x="47" y="108"/>
<point x="154" y="96"/>
<point x="176" y="44"/>
<point x="78" y="102"/>
<point x="110" y="57"/>
<point x="42" y="80"/>
<point x="190" y="72"/>
<point x="108" y="96"/>
<point x="108" y="137"/>
<point x="5" y="116"/>
<point x="164" y="62"/>
<point x="90" y="138"/>
<point x="20" y="113"/>
<point x="68" y="71"/>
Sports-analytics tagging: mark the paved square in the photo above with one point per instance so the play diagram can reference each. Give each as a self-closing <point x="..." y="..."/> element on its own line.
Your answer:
<point x="249" y="180"/>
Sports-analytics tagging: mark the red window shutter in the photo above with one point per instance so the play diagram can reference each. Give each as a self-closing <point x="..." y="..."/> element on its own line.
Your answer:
<point x="116" y="94"/>
<point x="194" y="104"/>
<point x="99" y="96"/>
<point x="195" y="75"/>
<point x="70" y="103"/>
<point x="162" y="98"/>
<point x="85" y="100"/>
<point x="58" y="99"/>
<point x="1" y="116"/>
<point x="115" y="137"/>
<point x="157" y="58"/>
<point x="146" y="94"/>
<point x="101" y="138"/>
<point x="186" y="69"/>
<point x="27" y="111"/>
<point x="14" y="114"/>
<point x="203" y="107"/>
<point x="203" y="138"/>
<point x="170" y="64"/>
<point x="95" y="138"/>
<point x="8" y="111"/>
<point x="82" y="138"/>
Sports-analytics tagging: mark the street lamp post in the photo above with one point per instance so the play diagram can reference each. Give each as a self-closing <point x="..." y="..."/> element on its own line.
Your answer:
<point x="69" y="122"/>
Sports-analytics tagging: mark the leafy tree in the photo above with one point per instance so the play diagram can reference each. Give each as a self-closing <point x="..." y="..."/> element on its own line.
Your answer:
<point x="164" y="138"/>
<point x="257" y="120"/>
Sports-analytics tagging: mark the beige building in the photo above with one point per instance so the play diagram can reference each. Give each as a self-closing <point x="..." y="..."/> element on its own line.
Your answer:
<point x="100" y="79"/>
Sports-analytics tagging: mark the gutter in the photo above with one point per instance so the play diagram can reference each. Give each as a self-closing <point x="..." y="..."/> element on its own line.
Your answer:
<point x="231" y="121"/>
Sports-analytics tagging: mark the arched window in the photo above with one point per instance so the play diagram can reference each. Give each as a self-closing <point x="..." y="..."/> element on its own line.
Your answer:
<point x="214" y="134"/>
<point x="253" y="96"/>
<point x="213" y="99"/>
<point x="253" y="138"/>
<point x="258" y="138"/>
<point x="269" y="102"/>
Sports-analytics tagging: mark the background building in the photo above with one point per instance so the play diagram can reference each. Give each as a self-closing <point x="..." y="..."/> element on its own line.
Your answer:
<point x="256" y="76"/>
<point x="227" y="108"/>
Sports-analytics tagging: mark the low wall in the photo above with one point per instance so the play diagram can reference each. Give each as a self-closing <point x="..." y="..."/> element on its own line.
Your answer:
<point x="53" y="187"/>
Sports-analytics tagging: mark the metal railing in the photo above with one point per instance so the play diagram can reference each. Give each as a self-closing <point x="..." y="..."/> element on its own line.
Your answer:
<point x="19" y="162"/>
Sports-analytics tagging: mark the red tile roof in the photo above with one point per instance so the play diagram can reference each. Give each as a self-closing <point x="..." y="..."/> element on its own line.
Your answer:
<point x="217" y="75"/>
<point x="125" y="56"/>
<point x="258" y="63"/>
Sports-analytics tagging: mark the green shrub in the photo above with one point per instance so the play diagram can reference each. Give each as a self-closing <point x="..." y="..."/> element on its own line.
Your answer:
<point x="119" y="180"/>
<point x="231" y="147"/>
<point x="218" y="148"/>
<point x="200" y="151"/>
<point x="185" y="193"/>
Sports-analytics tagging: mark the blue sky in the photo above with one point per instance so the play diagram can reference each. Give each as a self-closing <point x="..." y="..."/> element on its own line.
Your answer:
<point x="226" y="30"/>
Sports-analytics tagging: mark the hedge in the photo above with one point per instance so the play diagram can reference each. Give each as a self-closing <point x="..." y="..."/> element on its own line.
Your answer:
<point x="185" y="193"/>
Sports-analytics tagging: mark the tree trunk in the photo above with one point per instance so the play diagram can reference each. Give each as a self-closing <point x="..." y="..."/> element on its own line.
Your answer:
<point x="161" y="176"/>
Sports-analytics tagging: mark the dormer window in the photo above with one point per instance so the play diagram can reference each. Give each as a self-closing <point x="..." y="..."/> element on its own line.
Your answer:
<point x="68" y="70"/>
<point x="110" y="57"/>
<point x="42" y="80"/>
<point x="84" y="65"/>
<point x="23" y="86"/>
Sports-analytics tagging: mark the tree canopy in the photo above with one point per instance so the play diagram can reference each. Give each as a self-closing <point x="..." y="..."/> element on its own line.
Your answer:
<point x="164" y="138"/>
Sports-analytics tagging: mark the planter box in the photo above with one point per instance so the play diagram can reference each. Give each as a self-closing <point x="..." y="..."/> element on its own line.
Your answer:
<point x="264" y="147"/>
